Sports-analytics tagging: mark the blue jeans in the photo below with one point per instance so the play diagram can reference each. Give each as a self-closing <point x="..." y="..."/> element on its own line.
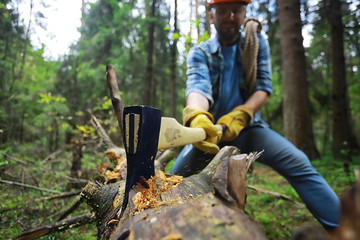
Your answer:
<point x="282" y="156"/>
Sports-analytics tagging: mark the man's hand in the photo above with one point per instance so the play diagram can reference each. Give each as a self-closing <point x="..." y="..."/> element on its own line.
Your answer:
<point x="195" y="117"/>
<point x="235" y="121"/>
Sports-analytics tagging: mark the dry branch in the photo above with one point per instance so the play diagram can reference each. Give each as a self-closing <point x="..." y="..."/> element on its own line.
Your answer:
<point x="56" y="227"/>
<point x="273" y="194"/>
<point x="70" y="210"/>
<point x="17" y="160"/>
<point x="114" y="153"/>
<point x="28" y="186"/>
<point x="164" y="158"/>
<point x="115" y="96"/>
<point x="56" y="153"/>
<point x="101" y="132"/>
<point x="64" y="195"/>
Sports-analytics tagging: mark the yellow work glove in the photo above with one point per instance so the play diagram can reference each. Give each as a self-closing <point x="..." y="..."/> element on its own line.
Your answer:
<point x="235" y="121"/>
<point x="195" y="117"/>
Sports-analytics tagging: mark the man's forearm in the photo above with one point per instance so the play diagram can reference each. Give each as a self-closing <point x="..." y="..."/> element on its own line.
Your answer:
<point x="257" y="100"/>
<point x="197" y="100"/>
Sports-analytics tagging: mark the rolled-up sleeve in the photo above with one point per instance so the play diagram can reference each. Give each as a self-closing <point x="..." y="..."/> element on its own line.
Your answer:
<point x="263" y="77"/>
<point x="198" y="77"/>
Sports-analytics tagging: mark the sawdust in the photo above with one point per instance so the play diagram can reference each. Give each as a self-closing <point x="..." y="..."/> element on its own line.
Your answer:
<point x="147" y="197"/>
<point x="173" y="236"/>
<point x="112" y="176"/>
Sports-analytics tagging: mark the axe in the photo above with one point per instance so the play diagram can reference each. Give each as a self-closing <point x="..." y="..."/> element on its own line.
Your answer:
<point x="144" y="132"/>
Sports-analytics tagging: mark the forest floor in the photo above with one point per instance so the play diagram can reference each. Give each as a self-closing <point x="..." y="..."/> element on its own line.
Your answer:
<point x="23" y="208"/>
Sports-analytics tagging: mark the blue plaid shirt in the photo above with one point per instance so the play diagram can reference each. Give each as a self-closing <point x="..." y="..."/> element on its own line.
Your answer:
<point x="205" y="65"/>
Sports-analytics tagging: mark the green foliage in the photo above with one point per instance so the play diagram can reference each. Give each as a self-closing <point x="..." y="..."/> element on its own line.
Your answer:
<point x="279" y="218"/>
<point x="24" y="208"/>
<point x="85" y="130"/>
<point x="176" y="36"/>
<point x="203" y="37"/>
<point x="92" y="161"/>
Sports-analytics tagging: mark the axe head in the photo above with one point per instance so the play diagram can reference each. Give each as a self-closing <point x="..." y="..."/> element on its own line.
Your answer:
<point x="140" y="136"/>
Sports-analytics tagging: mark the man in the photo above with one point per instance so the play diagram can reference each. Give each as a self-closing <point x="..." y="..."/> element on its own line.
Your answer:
<point x="217" y="92"/>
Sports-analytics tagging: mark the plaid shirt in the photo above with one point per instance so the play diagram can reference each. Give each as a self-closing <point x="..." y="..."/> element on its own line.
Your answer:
<point x="205" y="66"/>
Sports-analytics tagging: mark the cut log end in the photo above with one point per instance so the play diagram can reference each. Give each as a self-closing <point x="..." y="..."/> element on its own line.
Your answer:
<point x="229" y="179"/>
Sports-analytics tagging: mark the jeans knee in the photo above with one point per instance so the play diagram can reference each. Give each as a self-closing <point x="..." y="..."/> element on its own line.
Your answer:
<point x="295" y="164"/>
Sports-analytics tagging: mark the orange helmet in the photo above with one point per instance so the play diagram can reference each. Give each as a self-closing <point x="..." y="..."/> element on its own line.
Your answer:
<point x="224" y="1"/>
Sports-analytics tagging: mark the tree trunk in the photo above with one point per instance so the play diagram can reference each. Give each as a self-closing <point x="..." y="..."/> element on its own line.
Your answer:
<point x="75" y="171"/>
<point x="26" y="42"/>
<point x="342" y="131"/>
<point x="207" y="22"/>
<point x="149" y="64"/>
<point x="203" y="206"/>
<point x="197" y="18"/>
<point x="82" y="14"/>
<point x="297" y="120"/>
<point x="174" y="67"/>
<point x="191" y="17"/>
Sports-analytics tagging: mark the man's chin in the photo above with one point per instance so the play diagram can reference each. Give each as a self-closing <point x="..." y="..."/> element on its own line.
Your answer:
<point x="229" y="36"/>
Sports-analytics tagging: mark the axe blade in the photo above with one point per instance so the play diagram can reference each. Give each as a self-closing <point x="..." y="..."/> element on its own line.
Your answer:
<point x="140" y="136"/>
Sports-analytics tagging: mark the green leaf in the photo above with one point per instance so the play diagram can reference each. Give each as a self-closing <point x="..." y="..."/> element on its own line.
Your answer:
<point x="176" y="36"/>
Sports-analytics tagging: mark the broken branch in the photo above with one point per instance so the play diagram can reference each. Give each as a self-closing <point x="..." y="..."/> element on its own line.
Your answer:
<point x="56" y="227"/>
<point x="28" y="186"/>
<point x="273" y="194"/>
<point x="64" y="195"/>
<point x="115" y="96"/>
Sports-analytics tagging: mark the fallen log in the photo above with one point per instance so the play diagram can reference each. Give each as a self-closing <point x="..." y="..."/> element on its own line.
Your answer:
<point x="202" y="206"/>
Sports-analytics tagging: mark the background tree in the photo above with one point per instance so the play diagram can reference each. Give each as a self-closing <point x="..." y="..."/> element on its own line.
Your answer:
<point x="342" y="130"/>
<point x="174" y="57"/>
<point x="267" y="12"/>
<point x="23" y="74"/>
<point x="150" y="49"/>
<point x="116" y="32"/>
<point x="297" y="120"/>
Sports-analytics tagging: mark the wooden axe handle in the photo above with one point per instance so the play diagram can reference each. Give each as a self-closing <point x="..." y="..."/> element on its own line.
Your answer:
<point x="173" y="134"/>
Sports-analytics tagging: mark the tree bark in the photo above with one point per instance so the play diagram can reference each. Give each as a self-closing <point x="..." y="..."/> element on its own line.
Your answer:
<point x="203" y="206"/>
<point x="207" y="21"/>
<point x="297" y="120"/>
<point x="174" y="66"/>
<point x="75" y="171"/>
<point x="19" y="76"/>
<point x="343" y="134"/>
<point x="82" y="14"/>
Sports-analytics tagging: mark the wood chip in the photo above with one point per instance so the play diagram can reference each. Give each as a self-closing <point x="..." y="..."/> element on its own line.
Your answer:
<point x="173" y="236"/>
<point x="146" y="197"/>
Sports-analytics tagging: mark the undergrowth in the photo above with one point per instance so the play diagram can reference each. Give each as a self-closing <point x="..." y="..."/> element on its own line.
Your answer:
<point x="280" y="218"/>
<point x="23" y="208"/>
